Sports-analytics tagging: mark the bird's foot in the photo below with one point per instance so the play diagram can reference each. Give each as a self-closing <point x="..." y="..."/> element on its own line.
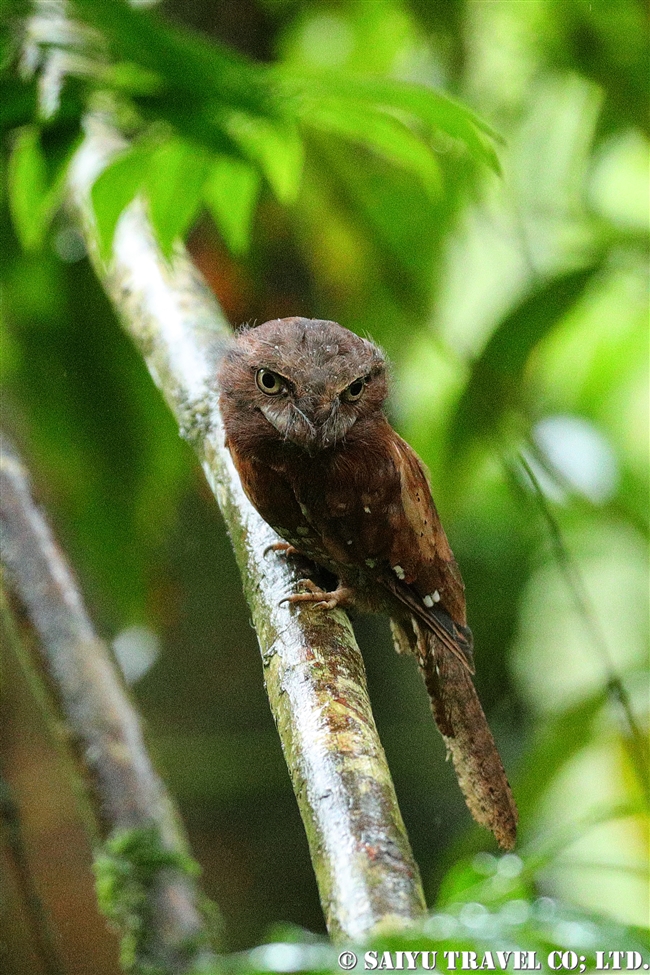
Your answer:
<point x="284" y="547"/>
<point x="319" y="597"/>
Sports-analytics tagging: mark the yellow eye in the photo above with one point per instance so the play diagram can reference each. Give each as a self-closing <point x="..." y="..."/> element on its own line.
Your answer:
<point x="354" y="391"/>
<point x="269" y="382"/>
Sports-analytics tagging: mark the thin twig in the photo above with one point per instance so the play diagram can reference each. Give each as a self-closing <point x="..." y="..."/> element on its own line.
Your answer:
<point x="635" y="740"/>
<point x="131" y="807"/>
<point x="313" y="670"/>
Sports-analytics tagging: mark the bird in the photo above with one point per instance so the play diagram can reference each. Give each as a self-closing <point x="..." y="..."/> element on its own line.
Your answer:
<point x="302" y="402"/>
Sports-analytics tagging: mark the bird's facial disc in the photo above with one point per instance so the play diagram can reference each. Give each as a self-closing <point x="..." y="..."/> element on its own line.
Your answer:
<point x="313" y="417"/>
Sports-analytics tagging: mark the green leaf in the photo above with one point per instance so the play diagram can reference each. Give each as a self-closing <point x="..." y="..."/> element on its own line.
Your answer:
<point x="36" y="179"/>
<point x="231" y="193"/>
<point x="176" y="173"/>
<point x="234" y="106"/>
<point x="404" y="270"/>
<point x="114" y="189"/>
<point x="496" y="382"/>
<point x="435" y="111"/>
<point x="131" y="78"/>
<point x="185" y="62"/>
<point x="27" y="184"/>
<point x="172" y="176"/>
<point x="382" y="133"/>
<point x="277" y="149"/>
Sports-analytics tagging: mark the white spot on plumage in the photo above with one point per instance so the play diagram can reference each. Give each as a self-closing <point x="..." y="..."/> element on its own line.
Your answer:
<point x="431" y="598"/>
<point x="399" y="571"/>
<point x="366" y="509"/>
<point x="349" y="541"/>
<point x="371" y="563"/>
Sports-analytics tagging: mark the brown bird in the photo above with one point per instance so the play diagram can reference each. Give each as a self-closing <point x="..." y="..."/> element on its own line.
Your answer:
<point x="302" y="406"/>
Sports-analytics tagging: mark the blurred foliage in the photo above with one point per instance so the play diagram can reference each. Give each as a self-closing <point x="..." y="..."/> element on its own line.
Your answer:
<point x="478" y="932"/>
<point x="329" y="159"/>
<point x="191" y="106"/>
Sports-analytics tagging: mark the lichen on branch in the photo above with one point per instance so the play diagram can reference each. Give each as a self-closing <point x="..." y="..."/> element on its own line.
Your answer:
<point x="162" y="928"/>
<point x="314" y="673"/>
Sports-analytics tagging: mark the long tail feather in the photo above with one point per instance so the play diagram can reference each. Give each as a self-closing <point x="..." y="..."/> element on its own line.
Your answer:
<point x="463" y="725"/>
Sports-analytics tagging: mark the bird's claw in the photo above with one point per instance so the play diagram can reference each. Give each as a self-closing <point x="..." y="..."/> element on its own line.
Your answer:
<point x="319" y="597"/>
<point x="284" y="547"/>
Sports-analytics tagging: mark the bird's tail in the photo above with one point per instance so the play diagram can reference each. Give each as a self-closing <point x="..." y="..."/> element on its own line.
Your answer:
<point x="463" y="725"/>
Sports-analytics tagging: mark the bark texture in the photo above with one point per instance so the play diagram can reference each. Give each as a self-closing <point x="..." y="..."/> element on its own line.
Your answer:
<point x="313" y="669"/>
<point x="128" y="806"/>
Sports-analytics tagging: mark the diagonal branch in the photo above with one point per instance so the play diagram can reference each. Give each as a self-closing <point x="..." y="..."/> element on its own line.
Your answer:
<point x="144" y="870"/>
<point x="313" y="669"/>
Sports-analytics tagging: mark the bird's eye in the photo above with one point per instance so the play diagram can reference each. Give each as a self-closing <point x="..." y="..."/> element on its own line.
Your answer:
<point x="269" y="382"/>
<point x="354" y="391"/>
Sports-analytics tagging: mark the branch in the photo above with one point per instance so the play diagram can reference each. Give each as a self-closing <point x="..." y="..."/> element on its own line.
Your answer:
<point x="313" y="669"/>
<point x="143" y="869"/>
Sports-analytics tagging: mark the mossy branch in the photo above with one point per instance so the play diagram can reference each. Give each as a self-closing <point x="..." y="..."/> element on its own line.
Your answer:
<point x="313" y="669"/>
<point x="126" y="807"/>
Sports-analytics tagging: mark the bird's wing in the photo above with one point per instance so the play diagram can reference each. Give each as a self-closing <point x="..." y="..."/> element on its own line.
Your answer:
<point x="371" y="506"/>
<point x="423" y="573"/>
